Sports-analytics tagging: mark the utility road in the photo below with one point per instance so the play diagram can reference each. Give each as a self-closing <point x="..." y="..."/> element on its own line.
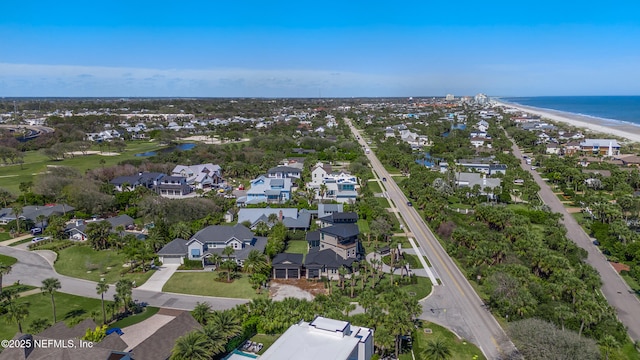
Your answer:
<point x="454" y="303"/>
<point x="619" y="295"/>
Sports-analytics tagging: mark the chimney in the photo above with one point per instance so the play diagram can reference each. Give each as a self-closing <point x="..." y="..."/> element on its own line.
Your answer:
<point x="280" y="216"/>
<point x="484" y="179"/>
<point x="27" y="339"/>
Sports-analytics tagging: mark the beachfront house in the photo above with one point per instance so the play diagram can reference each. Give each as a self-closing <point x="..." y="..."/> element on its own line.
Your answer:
<point x="604" y="147"/>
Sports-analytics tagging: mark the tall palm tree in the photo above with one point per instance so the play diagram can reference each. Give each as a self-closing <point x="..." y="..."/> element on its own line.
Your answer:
<point x="98" y="234"/>
<point x="193" y="346"/>
<point x="17" y="312"/>
<point x="50" y="286"/>
<point x="608" y="342"/>
<point x="123" y="292"/>
<point x="102" y="287"/>
<point x="181" y="230"/>
<point x="322" y="191"/>
<point x="201" y="312"/>
<point x="17" y="211"/>
<point x="228" y="266"/>
<point x="437" y="349"/>
<point x="228" y="251"/>
<point x="4" y="270"/>
<point x="227" y="323"/>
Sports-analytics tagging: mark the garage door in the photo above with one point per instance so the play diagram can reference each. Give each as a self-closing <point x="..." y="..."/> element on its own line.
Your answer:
<point x="171" y="260"/>
<point x="313" y="273"/>
<point x="293" y="273"/>
<point x="281" y="273"/>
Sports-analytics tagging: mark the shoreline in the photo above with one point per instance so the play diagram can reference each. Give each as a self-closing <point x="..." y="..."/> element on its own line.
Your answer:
<point x="590" y="124"/>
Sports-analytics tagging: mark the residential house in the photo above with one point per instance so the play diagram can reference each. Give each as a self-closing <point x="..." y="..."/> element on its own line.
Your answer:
<point x="486" y="185"/>
<point x="287" y="266"/>
<point x="34" y="213"/>
<point x="270" y="190"/>
<point x="78" y="229"/>
<point x="160" y="344"/>
<point x="482" y="125"/>
<point x="201" y="176"/>
<point x="323" y="338"/>
<point x="112" y="347"/>
<point x="318" y="173"/>
<point x="210" y="240"/>
<point x="148" y="180"/>
<point x="571" y="148"/>
<point x="553" y="148"/>
<point x="605" y="147"/>
<point x="292" y="218"/>
<point x="173" y="187"/>
<point x="282" y="171"/>
<point x="481" y="141"/>
<point x="328" y="209"/>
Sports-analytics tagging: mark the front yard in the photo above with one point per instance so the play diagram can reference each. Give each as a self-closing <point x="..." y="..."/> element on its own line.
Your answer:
<point x="460" y="349"/>
<point x="69" y="308"/>
<point x="7" y="260"/>
<point x="81" y="261"/>
<point x="206" y="284"/>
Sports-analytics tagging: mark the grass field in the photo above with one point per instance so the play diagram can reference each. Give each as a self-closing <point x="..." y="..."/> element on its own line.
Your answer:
<point x="297" y="247"/>
<point x="383" y="202"/>
<point x="83" y="262"/>
<point x="69" y="308"/>
<point x="36" y="162"/>
<point x="460" y="349"/>
<point x="7" y="260"/>
<point x="4" y="236"/>
<point x="363" y="226"/>
<point x="204" y="283"/>
<point x="134" y="319"/>
<point x="374" y="186"/>
<point x="21" y="242"/>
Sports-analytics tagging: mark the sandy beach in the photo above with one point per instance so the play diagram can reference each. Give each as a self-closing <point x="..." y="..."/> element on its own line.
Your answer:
<point x="589" y="124"/>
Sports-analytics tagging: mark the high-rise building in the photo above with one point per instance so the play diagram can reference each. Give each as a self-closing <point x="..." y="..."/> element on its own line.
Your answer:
<point x="449" y="97"/>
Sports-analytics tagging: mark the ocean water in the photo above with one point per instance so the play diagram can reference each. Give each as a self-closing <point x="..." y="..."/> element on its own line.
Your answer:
<point x="617" y="108"/>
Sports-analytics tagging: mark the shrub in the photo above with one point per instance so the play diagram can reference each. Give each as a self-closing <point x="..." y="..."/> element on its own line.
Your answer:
<point x="191" y="265"/>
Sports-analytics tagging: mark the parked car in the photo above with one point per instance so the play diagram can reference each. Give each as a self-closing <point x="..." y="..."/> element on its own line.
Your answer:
<point x="37" y="239"/>
<point x="409" y="203"/>
<point x="36" y="231"/>
<point x="384" y="179"/>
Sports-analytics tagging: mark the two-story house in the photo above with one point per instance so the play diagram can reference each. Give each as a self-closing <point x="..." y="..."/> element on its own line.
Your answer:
<point x="148" y="180"/>
<point x="210" y="240"/>
<point x="269" y="190"/>
<point x="201" y="176"/>
<point x="282" y="171"/>
<point x="173" y="186"/>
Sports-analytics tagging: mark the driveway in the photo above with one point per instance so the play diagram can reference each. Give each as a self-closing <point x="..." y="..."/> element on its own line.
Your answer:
<point x="137" y="333"/>
<point x="32" y="268"/>
<point x="159" y="278"/>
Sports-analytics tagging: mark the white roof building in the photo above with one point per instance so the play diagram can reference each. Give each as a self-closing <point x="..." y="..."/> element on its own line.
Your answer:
<point x="322" y="339"/>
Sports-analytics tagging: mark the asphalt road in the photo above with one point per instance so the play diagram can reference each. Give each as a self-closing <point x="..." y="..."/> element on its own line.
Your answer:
<point x="32" y="268"/>
<point x="615" y="289"/>
<point x="454" y="304"/>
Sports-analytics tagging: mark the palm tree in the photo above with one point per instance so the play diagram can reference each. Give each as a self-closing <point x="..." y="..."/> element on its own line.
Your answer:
<point x="17" y="312"/>
<point x="193" y="346"/>
<point x="227" y="323"/>
<point x="322" y="191"/>
<point x="229" y="266"/>
<point x="181" y="230"/>
<point x="41" y="218"/>
<point x="216" y="339"/>
<point x="437" y="349"/>
<point x="50" y="286"/>
<point x="5" y="196"/>
<point x="4" y="270"/>
<point x="228" y="251"/>
<point x="102" y="287"/>
<point x="608" y="342"/>
<point x="201" y="312"/>
<point x="123" y="292"/>
<point x="342" y="272"/>
<point x="17" y="211"/>
<point x="98" y="234"/>
<point x="256" y="262"/>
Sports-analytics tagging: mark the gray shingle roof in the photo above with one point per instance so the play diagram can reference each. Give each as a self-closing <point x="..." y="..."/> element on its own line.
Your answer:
<point x="221" y="233"/>
<point x="60" y="330"/>
<point x="159" y="345"/>
<point x="284" y="259"/>
<point x="341" y="230"/>
<point x="175" y="247"/>
<point x="319" y="258"/>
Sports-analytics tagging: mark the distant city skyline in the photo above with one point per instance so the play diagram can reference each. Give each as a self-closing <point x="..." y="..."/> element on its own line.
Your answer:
<point x="328" y="49"/>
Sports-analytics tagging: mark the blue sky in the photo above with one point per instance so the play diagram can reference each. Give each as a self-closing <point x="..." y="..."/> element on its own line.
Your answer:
<point x="309" y="49"/>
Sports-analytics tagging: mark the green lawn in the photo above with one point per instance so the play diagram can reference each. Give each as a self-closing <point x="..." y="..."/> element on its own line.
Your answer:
<point x="633" y="284"/>
<point x="21" y="242"/>
<point x="204" y="283"/>
<point x="35" y="163"/>
<point x="82" y="261"/>
<point x="7" y="260"/>
<point x="134" y="319"/>
<point x="398" y="179"/>
<point x="374" y="186"/>
<point x="460" y="349"/>
<point x="383" y="202"/>
<point x="5" y="236"/>
<point x="69" y="308"/>
<point x="266" y="340"/>
<point x="363" y="226"/>
<point x="297" y="247"/>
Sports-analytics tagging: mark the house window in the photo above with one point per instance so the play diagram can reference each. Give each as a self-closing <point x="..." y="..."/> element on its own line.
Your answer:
<point x="235" y="245"/>
<point x="195" y="252"/>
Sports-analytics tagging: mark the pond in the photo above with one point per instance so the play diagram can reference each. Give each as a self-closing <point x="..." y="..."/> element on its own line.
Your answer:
<point x="179" y="147"/>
